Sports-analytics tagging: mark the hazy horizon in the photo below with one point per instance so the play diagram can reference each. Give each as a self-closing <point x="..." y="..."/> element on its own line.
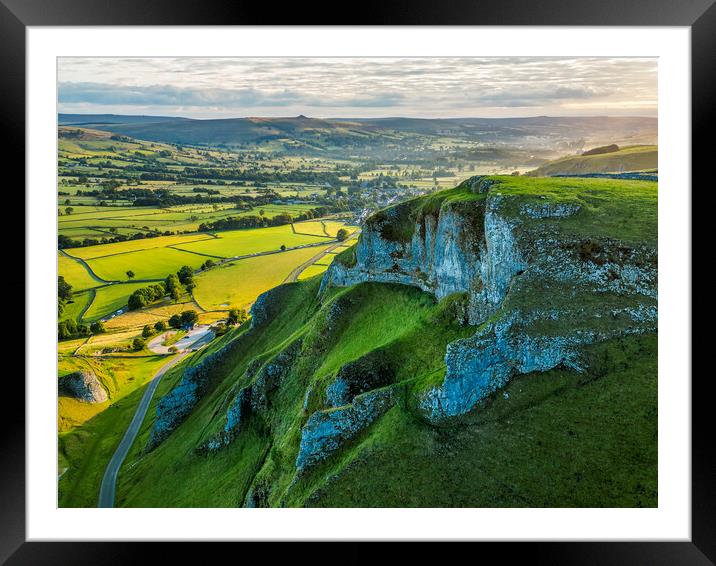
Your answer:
<point x="359" y="88"/>
<point x="348" y="118"/>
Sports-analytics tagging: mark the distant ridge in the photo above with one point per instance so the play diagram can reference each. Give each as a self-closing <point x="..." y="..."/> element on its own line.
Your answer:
<point x="340" y="133"/>
<point x="99" y="119"/>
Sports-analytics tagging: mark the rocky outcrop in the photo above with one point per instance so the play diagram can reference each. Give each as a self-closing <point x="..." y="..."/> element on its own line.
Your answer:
<point x="254" y="398"/>
<point x="176" y="405"/>
<point x="359" y="376"/>
<point x="269" y="377"/>
<point x="326" y="431"/>
<point x="484" y="363"/>
<point x="519" y="271"/>
<point x="83" y="386"/>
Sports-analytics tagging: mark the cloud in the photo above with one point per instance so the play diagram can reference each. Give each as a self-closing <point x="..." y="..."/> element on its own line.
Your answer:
<point x="168" y="95"/>
<point x="417" y="86"/>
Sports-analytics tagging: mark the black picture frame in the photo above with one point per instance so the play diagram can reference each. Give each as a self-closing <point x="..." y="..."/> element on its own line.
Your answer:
<point x="699" y="15"/>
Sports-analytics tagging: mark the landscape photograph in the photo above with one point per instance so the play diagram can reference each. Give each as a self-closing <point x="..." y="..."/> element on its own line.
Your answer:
<point x="425" y="282"/>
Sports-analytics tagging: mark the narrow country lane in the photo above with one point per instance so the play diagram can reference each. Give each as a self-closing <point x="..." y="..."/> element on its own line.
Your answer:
<point x="190" y="342"/>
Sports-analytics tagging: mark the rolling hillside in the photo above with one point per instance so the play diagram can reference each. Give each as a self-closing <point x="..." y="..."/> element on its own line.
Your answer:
<point x="541" y="131"/>
<point x="471" y="340"/>
<point x="625" y="159"/>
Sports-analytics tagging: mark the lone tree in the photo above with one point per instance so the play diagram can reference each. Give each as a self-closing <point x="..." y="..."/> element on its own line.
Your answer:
<point x="160" y="326"/>
<point x="138" y="343"/>
<point x="175" y="321"/>
<point x="283" y="247"/>
<point x="69" y="210"/>
<point x="342" y="234"/>
<point x="130" y="274"/>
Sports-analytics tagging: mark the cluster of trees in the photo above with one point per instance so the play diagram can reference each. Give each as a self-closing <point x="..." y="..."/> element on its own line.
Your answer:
<point x="146" y="295"/>
<point x="252" y="221"/>
<point x="71" y="329"/>
<point x="170" y="286"/>
<point x="187" y="318"/>
<point x="236" y="316"/>
<point x="64" y="294"/>
<point x="342" y="234"/>
<point x="67" y="242"/>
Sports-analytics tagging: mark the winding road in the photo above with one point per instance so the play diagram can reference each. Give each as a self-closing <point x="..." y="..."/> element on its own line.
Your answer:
<point x="194" y="339"/>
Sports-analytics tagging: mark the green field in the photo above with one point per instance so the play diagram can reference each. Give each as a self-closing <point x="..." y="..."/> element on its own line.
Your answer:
<point x="243" y="242"/>
<point x="89" y="433"/>
<point x="110" y="299"/>
<point x="75" y="273"/>
<point x="238" y="284"/>
<point x="312" y="271"/>
<point x="91" y="252"/>
<point x="155" y="263"/>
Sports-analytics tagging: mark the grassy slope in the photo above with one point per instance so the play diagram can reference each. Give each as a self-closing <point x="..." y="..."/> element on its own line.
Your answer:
<point x="89" y="433"/>
<point x="508" y="453"/>
<point x="631" y="158"/>
<point x="512" y="452"/>
<point x="609" y="208"/>
<point x="75" y="273"/>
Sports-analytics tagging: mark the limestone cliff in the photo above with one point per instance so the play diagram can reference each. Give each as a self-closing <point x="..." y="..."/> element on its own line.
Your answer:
<point x="537" y="288"/>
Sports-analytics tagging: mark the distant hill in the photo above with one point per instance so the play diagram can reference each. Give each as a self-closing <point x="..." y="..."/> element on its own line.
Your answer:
<point x="104" y="119"/>
<point x="630" y="158"/>
<point x="536" y="132"/>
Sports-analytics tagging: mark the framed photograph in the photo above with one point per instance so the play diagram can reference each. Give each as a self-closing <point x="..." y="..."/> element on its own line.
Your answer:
<point x="421" y="276"/>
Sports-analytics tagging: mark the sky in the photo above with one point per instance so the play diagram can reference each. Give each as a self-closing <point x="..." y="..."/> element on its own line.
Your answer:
<point x="435" y="87"/>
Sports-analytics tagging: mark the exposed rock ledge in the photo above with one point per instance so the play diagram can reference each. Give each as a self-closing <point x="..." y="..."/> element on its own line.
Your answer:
<point x="83" y="386"/>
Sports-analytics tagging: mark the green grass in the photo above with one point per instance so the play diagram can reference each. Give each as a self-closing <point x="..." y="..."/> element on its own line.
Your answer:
<point x="110" y="299"/>
<point x="630" y="158"/>
<point x="609" y="208"/>
<point x="244" y="242"/>
<point x="75" y="273"/>
<point x="415" y="318"/>
<point x="102" y="250"/>
<point x="74" y="309"/>
<point x="90" y="433"/>
<point x="239" y="283"/>
<point x="512" y="452"/>
<point x="312" y="271"/>
<point x="154" y="263"/>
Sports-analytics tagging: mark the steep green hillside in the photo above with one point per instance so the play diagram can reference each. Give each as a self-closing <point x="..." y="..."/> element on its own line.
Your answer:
<point x="631" y="158"/>
<point x="490" y="345"/>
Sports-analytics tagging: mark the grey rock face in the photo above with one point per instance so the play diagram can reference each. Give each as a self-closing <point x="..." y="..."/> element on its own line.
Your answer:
<point x="176" y="405"/>
<point x="438" y="259"/>
<point x="263" y="308"/>
<point x="83" y="386"/>
<point x="326" y="431"/>
<point x="450" y="253"/>
<point x="270" y="376"/>
<point x="356" y="377"/>
<point x="254" y="397"/>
